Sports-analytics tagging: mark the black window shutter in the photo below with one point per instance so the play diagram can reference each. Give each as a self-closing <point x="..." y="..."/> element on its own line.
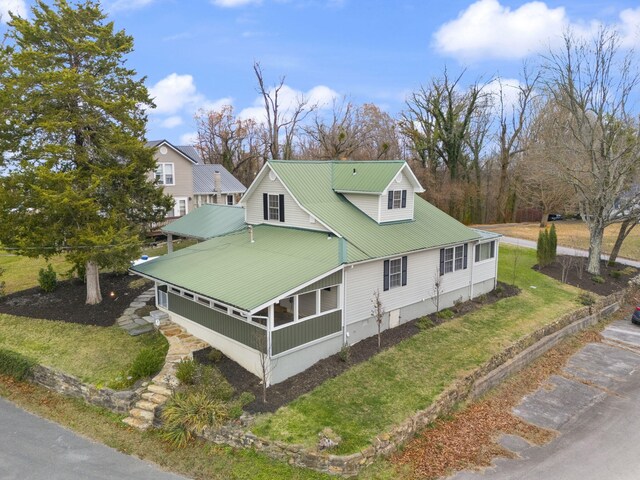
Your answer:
<point x="404" y="199"/>
<point x="281" y="199"/>
<point x="493" y="249"/>
<point x="466" y="245"/>
<point x="265" y="205"/>
<point x="390" y="200"/>
<point x="386" y="275"/>
<point x="404" y="270"/>
<point x="442" y="261"/>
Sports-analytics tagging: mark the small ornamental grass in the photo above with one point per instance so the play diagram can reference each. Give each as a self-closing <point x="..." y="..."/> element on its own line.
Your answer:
<point x="15" y="365"/>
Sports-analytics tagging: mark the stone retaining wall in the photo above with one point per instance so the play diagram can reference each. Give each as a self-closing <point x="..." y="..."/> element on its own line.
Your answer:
<point x="494" y="371"/>
<point x="116" y="401"/>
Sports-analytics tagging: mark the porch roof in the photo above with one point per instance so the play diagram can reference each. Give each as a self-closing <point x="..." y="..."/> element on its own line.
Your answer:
<point x="246" y="275"/>
<point x="208" y="221"/>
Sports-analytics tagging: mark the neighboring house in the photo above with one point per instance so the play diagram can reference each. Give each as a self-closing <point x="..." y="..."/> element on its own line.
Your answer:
<point x="192" y="183"/>
<point x="297" y="284"/>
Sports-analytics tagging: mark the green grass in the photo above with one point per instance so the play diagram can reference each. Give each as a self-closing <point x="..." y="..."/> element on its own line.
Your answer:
<point x="96" y="355"/>
<point x="373" y="396"/>
<point x="22" y="272"/>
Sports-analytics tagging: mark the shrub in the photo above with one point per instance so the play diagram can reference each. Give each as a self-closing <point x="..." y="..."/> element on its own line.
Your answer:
<point x="499" y="290"/>
<point x="597" y="279"/>
<point x="137" y="283"/>
<point x="148" y="362"/>
<point x="544" y="252"/>
<point x="191" y="412"/>
<point x="215" y="355"/>
<point x="48" y="279"/>
<point x="553" y="243"/>
<point x="424" y="323"/>
<point x="345" y="353"/>
<point x="615" y="274"/>
<point x="628" y="271"/>
<point x="445" y="314"/>
<point x="209" y="380"/>
<point x="586" y="299"/>
<point x="15" y="365"/>
<point x="2" y="284"/>
<point x="186" y="371"/>
<point x="246" y="398"/>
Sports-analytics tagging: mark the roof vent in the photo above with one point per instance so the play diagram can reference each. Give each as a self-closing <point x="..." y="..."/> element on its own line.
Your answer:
<point x="354" y="171"/>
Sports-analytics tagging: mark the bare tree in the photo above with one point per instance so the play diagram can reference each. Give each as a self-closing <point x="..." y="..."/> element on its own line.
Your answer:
<point x="566" y="261"/>
<point x="266" y="364"/>
<point x="625" y="229"/>
<point x="377" y="312"/>
<point x="282" y="121"/>
<point x="593" y="83"/>
<point x="437" y="289"/>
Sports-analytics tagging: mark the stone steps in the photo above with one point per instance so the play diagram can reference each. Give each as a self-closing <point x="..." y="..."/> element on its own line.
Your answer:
<point x="137" y="423"/>
<point x="159" y="389"/>
<point x="156" y="398"/>
<point x="146" y="405"/>
<point x="141" y="414"/>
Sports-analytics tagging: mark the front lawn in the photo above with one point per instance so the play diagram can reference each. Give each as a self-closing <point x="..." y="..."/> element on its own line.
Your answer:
<point x="21" y="272"/>
<point x="96" y="355"/>
<point x="373" y="396"/>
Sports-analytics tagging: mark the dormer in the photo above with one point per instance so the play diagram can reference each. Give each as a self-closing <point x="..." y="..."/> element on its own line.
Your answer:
<point x="383" y="190"/>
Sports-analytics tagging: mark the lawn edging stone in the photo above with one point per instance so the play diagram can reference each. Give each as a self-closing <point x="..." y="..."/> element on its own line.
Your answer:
<point x="497" y="368"/>
<point x="119" y="401"/>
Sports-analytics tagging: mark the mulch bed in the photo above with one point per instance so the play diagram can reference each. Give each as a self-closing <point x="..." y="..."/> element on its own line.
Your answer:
<point x="284" y="392"/>
<point x="577" y="275"/>
<point x="67" y="302"/>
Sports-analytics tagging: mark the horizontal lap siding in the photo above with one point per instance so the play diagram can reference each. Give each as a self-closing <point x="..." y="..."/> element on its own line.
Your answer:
<point x="396" y="214"/>
<point x="226" y="325"/>
<point x="304" y="332"/>
<point x="484" y="271"/>
<point x="333" y="279"/>
<point x="368" y="204"/>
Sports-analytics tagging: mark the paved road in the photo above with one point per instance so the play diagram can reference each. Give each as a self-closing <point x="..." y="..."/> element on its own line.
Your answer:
<point x="32" y="448"/>
<point x="567" y="251"/>
<point x="594" y="405"/>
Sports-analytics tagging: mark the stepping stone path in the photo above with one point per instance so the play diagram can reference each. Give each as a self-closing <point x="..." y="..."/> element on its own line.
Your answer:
<point x="181" y="346"/>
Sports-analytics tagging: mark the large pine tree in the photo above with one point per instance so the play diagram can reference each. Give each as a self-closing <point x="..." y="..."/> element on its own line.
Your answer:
<point x="76" y="176"/>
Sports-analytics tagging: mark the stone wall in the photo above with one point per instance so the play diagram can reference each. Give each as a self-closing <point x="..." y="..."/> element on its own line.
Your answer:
<point x="116" y="401"/>
<point x="494" y="371"/>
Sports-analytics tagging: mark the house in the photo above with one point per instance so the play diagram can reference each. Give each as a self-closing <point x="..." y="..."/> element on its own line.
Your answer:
<point x="296" y="284"/>
<point x="191" y="182"/>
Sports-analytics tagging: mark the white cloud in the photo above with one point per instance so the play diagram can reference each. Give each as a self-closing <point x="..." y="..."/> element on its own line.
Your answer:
<point x="171" y="122"/>
<point x="234" y="3"/>
<point x="508" y="88"/>
<point x="189" y="138"/>
<point x="216" y="104"/>
<point x="630" y="27"/>
<point x="488" y="29"/>
<point x="174" y="93"/>
<point x="17" y="7"/>
<point x="288" y="98"/>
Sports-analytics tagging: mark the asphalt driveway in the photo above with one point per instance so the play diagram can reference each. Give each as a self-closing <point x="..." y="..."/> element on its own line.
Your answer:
<point x="595" y="407"/>
<point x="32" y="448"/>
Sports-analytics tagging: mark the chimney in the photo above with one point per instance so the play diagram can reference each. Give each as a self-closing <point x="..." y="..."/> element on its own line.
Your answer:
<point x="217" y="181"/>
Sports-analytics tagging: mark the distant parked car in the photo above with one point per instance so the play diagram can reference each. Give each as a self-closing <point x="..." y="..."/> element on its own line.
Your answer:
<point x="554" y="216"/>
<point x="635" y="318"/>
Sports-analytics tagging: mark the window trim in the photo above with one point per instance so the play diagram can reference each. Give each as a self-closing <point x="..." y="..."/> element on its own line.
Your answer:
<point x="492" y="252"/>
<point x="386" y="278"/>
<point x="229" y="197"/>
<point x="163" y="175"/>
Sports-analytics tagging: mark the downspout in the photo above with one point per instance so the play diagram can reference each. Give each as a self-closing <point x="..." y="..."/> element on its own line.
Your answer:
<point x="342" y="258"/>
<point x="270" y="316"/>
<point x="495" y="276"/>
<point x="473" y="261"/>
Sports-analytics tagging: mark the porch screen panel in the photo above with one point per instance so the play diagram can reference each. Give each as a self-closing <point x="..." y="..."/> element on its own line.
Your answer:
<point x="219" y="322"/>
<point x="306" y="331"/>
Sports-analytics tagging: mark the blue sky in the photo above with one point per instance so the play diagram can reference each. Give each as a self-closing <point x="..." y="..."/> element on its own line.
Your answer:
<point x="199" y="53"/>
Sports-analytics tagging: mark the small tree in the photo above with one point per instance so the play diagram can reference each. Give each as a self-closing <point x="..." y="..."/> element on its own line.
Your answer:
<point x="516" y="259"/>
<point x="266" y="365"/>
<point x="437" y="289"/>
<point x="544" y="249"/>
<point x="553" y="243"/>
<point x="377" y="312"/>
<point x="567" y="262"/>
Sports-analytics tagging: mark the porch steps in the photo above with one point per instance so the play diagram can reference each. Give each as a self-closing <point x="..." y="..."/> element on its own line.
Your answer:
<point x="181" y="346"/>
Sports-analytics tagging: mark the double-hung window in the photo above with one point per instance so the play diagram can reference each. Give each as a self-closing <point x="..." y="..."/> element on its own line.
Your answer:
<point x="397" y="199"/>
<point x="453" y="259"/>
<point x="395" y="273"/>
<point x="485" y="251"/>
<point x="229" y="199"/>
<point x="274" y="207"/>
<point x="164" y="174"/>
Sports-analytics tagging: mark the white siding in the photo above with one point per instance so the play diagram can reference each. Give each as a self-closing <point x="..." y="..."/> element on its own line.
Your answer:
<point x="396" y="214"/>
<point x="183" y="175"/>
<point x="484" y="270"/>
<point x="365" y="278"/>
<point x="294" y="216"/>
<point x="368" y="204"/>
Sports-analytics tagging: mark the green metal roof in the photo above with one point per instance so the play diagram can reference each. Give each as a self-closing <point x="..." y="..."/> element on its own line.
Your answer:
<point x="365" y="177"/>
<point x="310" y="183"/>
<point x="246" y="275"/>
<point x="208" y="221"/>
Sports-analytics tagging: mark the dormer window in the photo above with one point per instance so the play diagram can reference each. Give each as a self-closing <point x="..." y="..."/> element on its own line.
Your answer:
<point x="397" y="199"/>
<point x="273" y="206"/>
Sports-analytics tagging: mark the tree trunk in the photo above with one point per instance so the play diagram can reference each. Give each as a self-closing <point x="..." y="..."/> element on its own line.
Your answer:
<point x="545" y="218"/>
<point x="93" y="283"/>
<point x="595" y="248"/>
<point x="625" y="230"/>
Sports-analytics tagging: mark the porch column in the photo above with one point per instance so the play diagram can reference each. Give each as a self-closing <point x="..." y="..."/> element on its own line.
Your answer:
<point x="169" y="242"/>
<point x="270" y="318"/>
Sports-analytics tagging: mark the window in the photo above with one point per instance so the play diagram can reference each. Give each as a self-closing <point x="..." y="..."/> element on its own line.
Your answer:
<point x="229" y="199"/>
<point x="395" y="273"/>
<point x="397" y="199"/>
<point x="164" y="174"/>
<point x="328" y="299"/>
<point x="181" y="207"/>
<point x="453" y="259"/>
<point x="485" y="251"/>
<point x="274" y="207"/>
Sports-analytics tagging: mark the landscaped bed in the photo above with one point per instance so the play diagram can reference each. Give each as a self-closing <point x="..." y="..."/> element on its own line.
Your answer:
<point x="370" y="398"/>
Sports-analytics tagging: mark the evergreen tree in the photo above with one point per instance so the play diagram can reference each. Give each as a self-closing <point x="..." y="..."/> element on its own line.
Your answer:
<point x="553" y="243"/>
<point x="540" y="248"/>
<point x="78" y="178"/>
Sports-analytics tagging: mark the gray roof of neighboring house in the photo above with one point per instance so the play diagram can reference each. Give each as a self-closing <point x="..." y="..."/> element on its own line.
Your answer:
<point x="187" y="150"/>
<point x="204" y="182"/>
